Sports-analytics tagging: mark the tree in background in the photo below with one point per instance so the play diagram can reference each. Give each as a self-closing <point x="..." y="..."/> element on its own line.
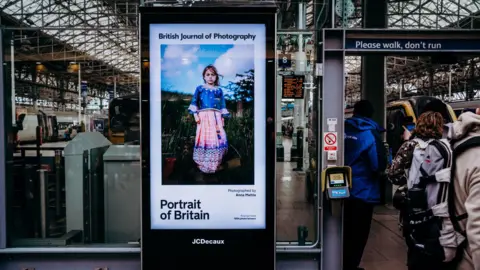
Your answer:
<point x="240" y="99"/>
<point x="242" y="91"/>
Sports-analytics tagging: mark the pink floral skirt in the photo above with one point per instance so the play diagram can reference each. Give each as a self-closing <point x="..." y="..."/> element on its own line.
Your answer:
<point x="210" y="142"/>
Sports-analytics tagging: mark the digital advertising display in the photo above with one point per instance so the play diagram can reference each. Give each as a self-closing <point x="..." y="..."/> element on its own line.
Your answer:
<point x="208" y="83"/>
<point x="208" y="137"/>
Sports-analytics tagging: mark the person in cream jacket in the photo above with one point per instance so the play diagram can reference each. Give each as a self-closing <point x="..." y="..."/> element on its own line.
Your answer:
<point x="467" y="188"/>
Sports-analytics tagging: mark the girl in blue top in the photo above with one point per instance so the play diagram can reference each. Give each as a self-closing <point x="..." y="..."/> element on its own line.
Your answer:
<point x="208" y="108"/>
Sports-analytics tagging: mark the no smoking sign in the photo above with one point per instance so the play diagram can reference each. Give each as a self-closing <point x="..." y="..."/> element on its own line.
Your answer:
<point x="330" y="141"/>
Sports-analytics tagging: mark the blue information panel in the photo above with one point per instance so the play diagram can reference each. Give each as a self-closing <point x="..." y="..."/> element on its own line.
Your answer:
<point x="285" y="61"/>
<point x="339" y="193"/>
<point x="410" y="44"/>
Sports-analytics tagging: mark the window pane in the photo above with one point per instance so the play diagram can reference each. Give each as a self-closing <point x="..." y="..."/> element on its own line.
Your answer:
<point x="297" y="198"/>
<point x="68" y="184"/>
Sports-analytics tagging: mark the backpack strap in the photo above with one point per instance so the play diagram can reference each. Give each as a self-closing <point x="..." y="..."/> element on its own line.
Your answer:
<point x="421" y="143"/>
<point x="457" y="151"/>
<point x="446" y="154"/>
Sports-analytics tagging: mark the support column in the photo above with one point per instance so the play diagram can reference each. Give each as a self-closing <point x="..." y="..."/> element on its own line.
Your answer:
<point x="374" y="74"/>
<point x="4" y="152"/>
<point x="61" y="95"/>
<point x="79" y="89"/>
<point x="300" y="69"/>
<point x="333" y="109"/>
<point x="279" y="137"/>
<point x="36" y="91"/>
<point x="12" y="73"/>
<point x="114" y="87"/>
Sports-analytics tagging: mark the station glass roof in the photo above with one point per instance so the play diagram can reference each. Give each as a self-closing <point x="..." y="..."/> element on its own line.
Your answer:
<point x="103" y="35"/>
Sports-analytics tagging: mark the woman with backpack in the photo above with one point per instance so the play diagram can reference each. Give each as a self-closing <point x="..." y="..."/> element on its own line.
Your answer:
<point x="416" y="166"/>
<point x="429" y="126"/>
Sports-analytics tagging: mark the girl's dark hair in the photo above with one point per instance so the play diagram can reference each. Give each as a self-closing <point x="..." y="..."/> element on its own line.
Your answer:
<point x="213" y="69"/>
<point x="429" y="126"/>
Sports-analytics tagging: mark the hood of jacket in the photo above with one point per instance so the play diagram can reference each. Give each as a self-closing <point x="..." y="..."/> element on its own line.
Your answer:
<point x="363" y="123"/>
<point x="466" y="124"/>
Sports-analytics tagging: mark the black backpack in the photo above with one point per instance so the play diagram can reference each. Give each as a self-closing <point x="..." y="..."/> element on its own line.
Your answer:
<point x="457" y="151"/>
<point x="428" y="184"/>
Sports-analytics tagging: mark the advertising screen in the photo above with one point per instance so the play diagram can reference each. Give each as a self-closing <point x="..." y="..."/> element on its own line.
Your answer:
<point x="207" y="154"/>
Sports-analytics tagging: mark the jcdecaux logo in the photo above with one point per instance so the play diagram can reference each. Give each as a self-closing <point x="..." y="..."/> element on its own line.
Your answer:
<point x="199" y="241"/>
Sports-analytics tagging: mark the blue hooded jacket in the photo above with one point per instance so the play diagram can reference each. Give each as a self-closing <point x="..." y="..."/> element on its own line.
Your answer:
<point x="365" y="154"/>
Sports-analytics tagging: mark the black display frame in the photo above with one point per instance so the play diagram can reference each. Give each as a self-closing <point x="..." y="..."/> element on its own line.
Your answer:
<point x="242" y="249"/>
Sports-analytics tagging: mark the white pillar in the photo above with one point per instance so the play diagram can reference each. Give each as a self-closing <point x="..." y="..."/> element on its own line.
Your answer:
<point x="79" y="94"/>
<point x="300" y="68"/>
<point x="12" y="61"/>
<point x="114" y="86"/>
<point x="450" y="83"/>
<point x="279" y="104"/>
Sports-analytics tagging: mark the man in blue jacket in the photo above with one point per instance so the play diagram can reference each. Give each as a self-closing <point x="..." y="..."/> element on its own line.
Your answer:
<point x="365" y="154"/>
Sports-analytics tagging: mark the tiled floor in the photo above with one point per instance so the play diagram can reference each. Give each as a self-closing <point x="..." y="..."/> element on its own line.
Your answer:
<point x="292" y="207"/>
<point x="385" y="248"/>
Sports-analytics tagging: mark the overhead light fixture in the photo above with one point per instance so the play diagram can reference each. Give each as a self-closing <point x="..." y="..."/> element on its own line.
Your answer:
<point x="39" y="67"/>
<point x="73" y="67"/>
<point x="145" y="63"/>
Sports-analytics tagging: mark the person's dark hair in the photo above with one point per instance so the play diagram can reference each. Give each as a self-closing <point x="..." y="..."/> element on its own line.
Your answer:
<point x="438" y="106"/>
<point x="429" y="126"/>
<point x="363" y="108"/>
<point x="212" y="69"/>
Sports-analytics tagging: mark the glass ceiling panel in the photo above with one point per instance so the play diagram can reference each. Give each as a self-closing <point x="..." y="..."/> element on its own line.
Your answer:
<point x="431" y="13"/>
<point x="95" y="14"/>
<point x="48" y="18"/>
<point x="414" y="14"/>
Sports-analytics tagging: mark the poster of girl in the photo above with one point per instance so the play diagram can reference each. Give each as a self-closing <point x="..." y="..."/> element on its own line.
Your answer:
<point x="209" y="110"/>
<point x="207" y="114"/>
